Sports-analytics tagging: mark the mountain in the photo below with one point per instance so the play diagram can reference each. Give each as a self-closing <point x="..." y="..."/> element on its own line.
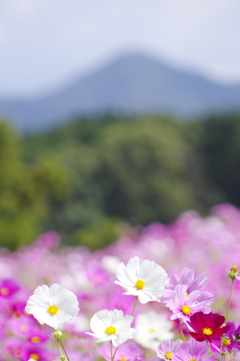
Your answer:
<point x="132" y="84"/>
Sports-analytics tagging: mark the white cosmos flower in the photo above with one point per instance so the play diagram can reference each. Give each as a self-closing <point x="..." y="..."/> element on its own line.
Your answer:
<point x="146" y="280"/>
<point x="112" y="326"/>
<point x="152" y="328"/>
<point x="53" y="305"/>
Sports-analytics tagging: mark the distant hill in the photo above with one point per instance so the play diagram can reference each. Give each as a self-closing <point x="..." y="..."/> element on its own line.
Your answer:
<point x="133" y="85"/>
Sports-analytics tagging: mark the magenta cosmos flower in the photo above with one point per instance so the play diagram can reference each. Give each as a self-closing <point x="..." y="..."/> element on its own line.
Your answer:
<point x="207" y="326"/>
<point x="8" y="287"/>
<point x="231" y="340"/>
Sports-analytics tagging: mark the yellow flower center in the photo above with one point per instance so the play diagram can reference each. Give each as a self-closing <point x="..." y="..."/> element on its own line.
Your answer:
<point x="123" y="359"/>
<point x="168" y="355"/>
<point x="4" y="291"/>
<point x="34" y="356"/>
<point x="207" y="331"/>
<point x="35" y="339"/>
<point x="152" y="330"/>
<point x="193" y="359"/>
<point x="226" y="343"/>
<point x="16" y="314"/>
<point x="234" y="268"/>
<point x="187" y="294"/>
<point x="110" y="330"/>
<point x="24" y="328"/>
<point x="186" y="310"/>
<point x="53" y="310"/>
<point x="139" y="284"/>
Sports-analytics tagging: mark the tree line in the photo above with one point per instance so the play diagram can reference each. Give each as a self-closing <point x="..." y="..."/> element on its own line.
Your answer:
<point x="84" y="178"/>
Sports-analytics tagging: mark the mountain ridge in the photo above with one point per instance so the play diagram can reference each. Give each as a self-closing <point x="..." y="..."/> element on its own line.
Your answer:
<point x="133" y="85"/>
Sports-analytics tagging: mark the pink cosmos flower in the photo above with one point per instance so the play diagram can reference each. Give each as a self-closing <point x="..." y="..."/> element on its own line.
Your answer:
<point x="36" y="352"/>
<point x="187" y="278"/>
<point x="15" y="347"/>
<point x="167" y="349"/>
<point x="97" y="276"/>
<point x="193" y="350"/>
<point x="37" y="336"/>
<point x="207" y="326"/>
<point x="3" y="327"/>
<point x="22" y="326"/>
<point x="184" y="306"/>
<point x="128" y="351"/>
<point x="49" y="240"/>
<point x="17" y="308"/>
<point x="117" y="300"/>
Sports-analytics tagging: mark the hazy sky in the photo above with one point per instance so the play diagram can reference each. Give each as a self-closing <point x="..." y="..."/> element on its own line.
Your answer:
<point x="47" y="43"/>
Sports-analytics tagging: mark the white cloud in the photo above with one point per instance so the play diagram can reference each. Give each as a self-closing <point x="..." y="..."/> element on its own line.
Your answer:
<point x="17" y="9"/>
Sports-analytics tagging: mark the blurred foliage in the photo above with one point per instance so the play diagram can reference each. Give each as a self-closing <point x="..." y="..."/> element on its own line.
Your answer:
<point x="84" y="177"/>
<point x="221" y="147"/>
<point x="25" y="191"/>
<point x="95" y="235"/>
<point x="143" y="170"/>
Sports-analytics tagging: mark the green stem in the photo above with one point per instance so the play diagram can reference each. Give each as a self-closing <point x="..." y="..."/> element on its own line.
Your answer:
<point x="111" y="351"/>
<point x="229" y="301"/>
<point x="134" y="306"/>
<point x="226" y="356"/>
<point x="181" y="331"/>
<point x="216" y="357"/>
<point x="59" y="347"/>
<point x="61" y="343"/>
<point x="114" y="353"/>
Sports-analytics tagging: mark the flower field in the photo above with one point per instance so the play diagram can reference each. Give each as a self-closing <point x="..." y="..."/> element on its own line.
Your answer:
<point x="176" y="284"/>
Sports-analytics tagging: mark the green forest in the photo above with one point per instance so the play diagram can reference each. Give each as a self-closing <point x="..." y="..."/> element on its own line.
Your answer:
<point x="86" y="177"/>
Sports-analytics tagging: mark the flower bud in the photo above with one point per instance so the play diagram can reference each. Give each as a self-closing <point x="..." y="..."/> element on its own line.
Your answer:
<point x="62" y="358"/>
<point x="226" y="341"/>
<point x="237" y="336"/>
<point x="233" y="272"/>
<point x="57" y="334"/>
